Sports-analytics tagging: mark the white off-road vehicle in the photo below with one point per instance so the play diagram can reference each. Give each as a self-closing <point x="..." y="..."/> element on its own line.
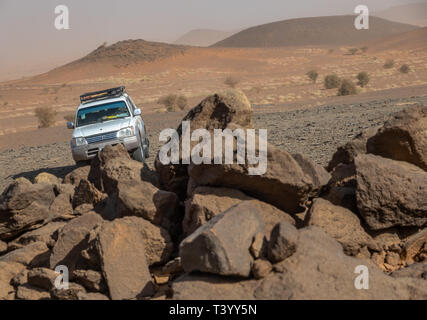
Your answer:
<point x="108" y="117"/>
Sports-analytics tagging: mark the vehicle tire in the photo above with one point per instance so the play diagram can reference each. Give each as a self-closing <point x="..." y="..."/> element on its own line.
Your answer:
<point x="83" y="163"/>
<point x="147" y="148"/>
<point x="138" y="154"/>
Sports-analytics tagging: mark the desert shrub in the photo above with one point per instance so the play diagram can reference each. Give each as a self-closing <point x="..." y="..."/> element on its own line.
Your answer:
<point x="312" y="75"/>
<point x="45" y="116"/>
<point x="332" y="81"/>
<point x="364" y="49"/>
<point x="69" y="117"/>
<point x="353" y="51"/>
<point x="173" y="102"/>
<point x="389" y="64"/>
<point x="405" y="68"/>
<point x="363" y="78"/>
<point x="331" y="51"/>
<point x="256" y="90"/>
<point x="6" y="103"/>
<point x="347" y="88"/>
<point x="231" y="81"/>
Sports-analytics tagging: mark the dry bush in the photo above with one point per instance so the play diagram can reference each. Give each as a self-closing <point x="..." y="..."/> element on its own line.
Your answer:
<point x="312" y="75"/>
<point x="353" y="51"/>
<point x="332" y="81"/>
<point x="363" y="78"/>
<point x="173" y="102"/>
<point x="405" y="68"/>
<point x="45" y="116"/>
<point x="364" y="49"/>
<point x="231" y="81"/>
<point x="347" y="88"/>
<point x="389" y="64"/>
<point x="69" y="117"/>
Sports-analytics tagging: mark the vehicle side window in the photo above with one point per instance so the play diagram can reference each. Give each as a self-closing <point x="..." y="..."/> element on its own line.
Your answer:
<point x="131" y="105"/>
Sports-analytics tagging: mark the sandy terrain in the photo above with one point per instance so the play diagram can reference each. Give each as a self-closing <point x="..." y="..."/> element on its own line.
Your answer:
<point x="267" y="76"/>
<point x="315" y="132"/>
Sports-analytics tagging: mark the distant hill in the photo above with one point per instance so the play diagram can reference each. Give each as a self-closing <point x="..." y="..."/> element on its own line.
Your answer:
<point x="415" y="13"/>
<point x="132" y="51"/>
<point x="203" y="37"/>
<point x="333" y="30"/>
<point x="412" y="40"/>
<point x="111" y="59"/>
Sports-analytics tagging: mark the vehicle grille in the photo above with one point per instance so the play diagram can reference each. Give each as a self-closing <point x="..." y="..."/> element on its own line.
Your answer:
<point x="102" y="137"/>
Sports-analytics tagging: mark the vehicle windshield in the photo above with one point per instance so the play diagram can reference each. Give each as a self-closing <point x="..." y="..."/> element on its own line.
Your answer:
<point x="101" y="113"/>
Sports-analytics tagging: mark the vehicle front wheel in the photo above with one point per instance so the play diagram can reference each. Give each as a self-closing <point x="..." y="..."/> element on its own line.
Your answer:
<point x="138" y="154"/>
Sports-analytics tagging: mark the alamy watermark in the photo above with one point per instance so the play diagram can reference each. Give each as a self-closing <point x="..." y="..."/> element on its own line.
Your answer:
<point x="245" y="152"/>
<point x="362" y="280"/>
<point x="61" y="281"/>
<point x="62" y="20"/>
<point x="362" y="20"/>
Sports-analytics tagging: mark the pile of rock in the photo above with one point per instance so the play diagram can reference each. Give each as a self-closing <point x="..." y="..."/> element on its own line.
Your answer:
<point x="215" y="232"/>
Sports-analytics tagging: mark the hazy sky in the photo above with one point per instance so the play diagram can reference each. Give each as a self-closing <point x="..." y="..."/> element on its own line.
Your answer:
<point x="29" y="42"/>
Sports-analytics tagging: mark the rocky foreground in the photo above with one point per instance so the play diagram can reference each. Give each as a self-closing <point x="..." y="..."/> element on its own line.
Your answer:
<point x="213" y="232"/>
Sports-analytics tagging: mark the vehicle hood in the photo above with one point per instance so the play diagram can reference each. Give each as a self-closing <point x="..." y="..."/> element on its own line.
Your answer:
<point x="99" y="128"/>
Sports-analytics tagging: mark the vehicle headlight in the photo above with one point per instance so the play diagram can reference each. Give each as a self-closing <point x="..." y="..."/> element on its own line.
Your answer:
<point x="126" y="132"/>
<point x="76" y="142"/>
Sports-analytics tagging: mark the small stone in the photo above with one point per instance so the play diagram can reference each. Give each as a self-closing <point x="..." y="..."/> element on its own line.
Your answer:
<point x="261" y="268"/>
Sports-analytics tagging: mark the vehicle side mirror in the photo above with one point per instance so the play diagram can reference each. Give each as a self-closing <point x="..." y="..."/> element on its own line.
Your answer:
<point x="70" y="125"/>
<point x="137" y="112"/>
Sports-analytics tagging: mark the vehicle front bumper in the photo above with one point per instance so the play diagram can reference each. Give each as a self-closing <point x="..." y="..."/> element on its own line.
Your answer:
<point x="89" y="151"/>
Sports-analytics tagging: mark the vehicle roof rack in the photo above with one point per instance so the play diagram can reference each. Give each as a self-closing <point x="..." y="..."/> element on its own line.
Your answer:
<point x="103" y="94"/>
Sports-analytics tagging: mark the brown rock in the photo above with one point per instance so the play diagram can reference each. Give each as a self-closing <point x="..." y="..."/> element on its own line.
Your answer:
<point x="24" y="206"/>
<point x="124" y="266"/>
<point x="210" y="287"/>
<point x="157" y="241"/>
<point x="27" y="292"/>
<point x="3" y="247"/>
<point x="48" y="178"/>
<point x="285" y="185"/>
<point x="207" y="202"/>
<point x="259" y="245"/>
<point x="42" y="278"/>
<point x="83" y="209"/>
<point x="20" y="279"/>
<point x="342" y="225"/>
<point x="173" y="266"/>
<point x="214" y="112"/>
<point x="261" y="268"/>
<point x="76" y="175"/>
<point x="8" y="271"/>
<point x="390" y="193"/>
<point x="221" y="246"/>
<point x="86" y="193"/>
<point x="416" y="270"/>
<point x="65" y="188"/>
<point x="283" y="242"/>
<point x="130" y="195"/>
<point x="46" y="234"/>
<point x="415" y="247"/>
<point x="61" y="208"/>
<point x="35" y="254"/>
<point x="403" y="137"/>
<point x="73" y="292"/>
<point x="318" y="174"/>
<point x="72" y="239"/>
<point x="92" y="296"/>
<point x="90" y="279"/>
<point x="347" y="153"/>
<point x="320" y="270"/>
<point x="342" y="187"/>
